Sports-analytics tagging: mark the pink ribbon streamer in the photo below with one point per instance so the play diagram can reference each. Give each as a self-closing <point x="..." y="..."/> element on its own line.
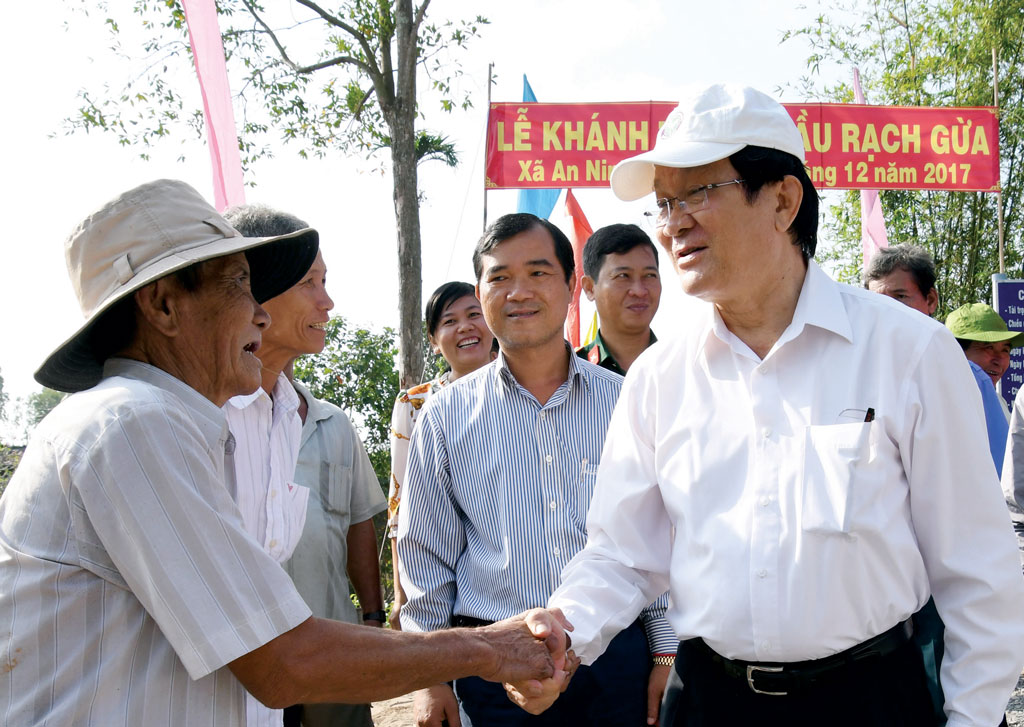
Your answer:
<point x="873" y="236"/>
<point x="211" y="69"/>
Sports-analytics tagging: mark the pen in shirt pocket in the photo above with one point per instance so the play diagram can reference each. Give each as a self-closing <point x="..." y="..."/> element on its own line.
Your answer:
<point x="869" y="416"/>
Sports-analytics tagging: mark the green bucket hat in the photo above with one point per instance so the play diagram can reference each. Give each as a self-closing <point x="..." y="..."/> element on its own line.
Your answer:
<point x="979" y="322"/>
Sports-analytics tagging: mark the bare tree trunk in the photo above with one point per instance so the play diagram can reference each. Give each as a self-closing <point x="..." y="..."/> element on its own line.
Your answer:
<point x="403" y="167"/>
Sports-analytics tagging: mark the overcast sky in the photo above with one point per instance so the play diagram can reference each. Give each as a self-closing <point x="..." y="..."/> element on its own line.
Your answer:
<point x="574" y="50"/>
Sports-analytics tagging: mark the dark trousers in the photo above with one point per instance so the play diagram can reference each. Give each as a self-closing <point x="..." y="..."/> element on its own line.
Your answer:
<point x="611" y="693"/>
<point x="888" y="691"/>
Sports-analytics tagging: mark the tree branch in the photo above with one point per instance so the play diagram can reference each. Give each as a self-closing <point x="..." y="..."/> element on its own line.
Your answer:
<point x="421" y="12"/>
<point x="336" y="61"/>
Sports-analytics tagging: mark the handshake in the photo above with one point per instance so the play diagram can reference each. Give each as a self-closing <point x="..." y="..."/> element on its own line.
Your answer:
<point x="533" y="678"/>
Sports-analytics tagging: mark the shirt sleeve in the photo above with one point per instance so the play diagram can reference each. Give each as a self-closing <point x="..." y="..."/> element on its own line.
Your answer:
<point x="401" y="432"/>
<point x="1013" y="471"/>
<point x="431" y="534"/>
<point x="366" y="497"/>
<point x="995" y="420"/>
<point x="964" y="536"/>
<point x="624" y="566"/>
<point x="661" y="639"/>
<point x="150" y="507"/>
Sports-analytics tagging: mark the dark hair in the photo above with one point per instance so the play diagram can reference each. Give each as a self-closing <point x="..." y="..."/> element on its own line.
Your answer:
<point x="914" y="259"/>
<point x="511" y="225"/>
<point x="258" y="220"/>
<point x="441" y="299"/>
<point x="615" y="239"/>
<point x="964" y="343"/>
<point x="758" y="166"/>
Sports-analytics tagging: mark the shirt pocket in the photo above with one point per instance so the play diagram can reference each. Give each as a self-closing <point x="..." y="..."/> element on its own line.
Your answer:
<point x="338" y="478"/>
<point x="582" y="493"/>
<point x="834" y="458"/>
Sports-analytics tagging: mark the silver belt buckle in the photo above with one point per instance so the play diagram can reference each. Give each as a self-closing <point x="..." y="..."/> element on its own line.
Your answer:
<point x="750" y="679"/>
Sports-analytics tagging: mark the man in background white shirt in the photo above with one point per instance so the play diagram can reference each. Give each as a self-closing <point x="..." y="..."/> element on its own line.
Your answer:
<point x="785" y="464"/>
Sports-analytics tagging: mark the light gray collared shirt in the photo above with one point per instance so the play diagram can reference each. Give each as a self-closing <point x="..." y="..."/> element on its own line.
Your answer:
<point x="127" y="581"/>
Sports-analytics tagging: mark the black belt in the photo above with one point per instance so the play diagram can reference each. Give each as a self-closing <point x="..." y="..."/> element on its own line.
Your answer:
<point x="779" y="679"/>
<point x="468" y="622"/>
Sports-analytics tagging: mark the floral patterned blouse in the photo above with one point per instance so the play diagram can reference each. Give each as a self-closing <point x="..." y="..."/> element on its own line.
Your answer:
<point x="403" y="420"/>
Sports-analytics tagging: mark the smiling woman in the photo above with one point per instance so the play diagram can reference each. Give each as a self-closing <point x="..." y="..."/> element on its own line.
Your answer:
<point x="456" y="330"/>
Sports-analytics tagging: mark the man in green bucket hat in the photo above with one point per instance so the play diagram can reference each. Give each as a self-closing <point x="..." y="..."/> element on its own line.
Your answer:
<point x="984" y="337"/>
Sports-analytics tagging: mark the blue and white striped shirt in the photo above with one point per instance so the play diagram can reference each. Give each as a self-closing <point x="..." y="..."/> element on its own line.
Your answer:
<point x="496" y="496"/>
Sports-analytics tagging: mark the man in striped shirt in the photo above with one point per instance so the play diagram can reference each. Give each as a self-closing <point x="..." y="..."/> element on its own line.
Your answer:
<point x="500" y="475"/>
<point x="130" y="593"/>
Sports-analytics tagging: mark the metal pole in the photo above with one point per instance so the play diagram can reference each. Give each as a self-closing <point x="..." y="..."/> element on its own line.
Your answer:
<point x="999" y="194"/>
<point x="487" y="136"/>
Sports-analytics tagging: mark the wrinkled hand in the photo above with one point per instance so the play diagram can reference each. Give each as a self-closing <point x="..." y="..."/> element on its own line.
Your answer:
<point x="527" y="647"/>
<point x="655" y="691"/>
<point x="536" y="696"/>
<point x="433" y="705"/>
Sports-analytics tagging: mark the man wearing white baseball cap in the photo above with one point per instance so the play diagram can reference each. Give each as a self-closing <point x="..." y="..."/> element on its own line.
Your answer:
<point x="130" y="592"/>
<point x="784" y="468"/>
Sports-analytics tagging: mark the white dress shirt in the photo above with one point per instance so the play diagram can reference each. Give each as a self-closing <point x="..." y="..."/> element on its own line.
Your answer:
<point x="787" y="527"/>
<point x="127" y="582"/>
<point x="267" y="434"/>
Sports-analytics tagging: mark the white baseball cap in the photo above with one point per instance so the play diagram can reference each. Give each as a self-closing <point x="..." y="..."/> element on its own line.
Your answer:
<point x="146" y="234"/>
<point x="710" y="123"/>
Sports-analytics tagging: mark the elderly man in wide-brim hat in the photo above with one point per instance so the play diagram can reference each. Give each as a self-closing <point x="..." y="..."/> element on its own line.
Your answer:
<point x="130" y="593"/>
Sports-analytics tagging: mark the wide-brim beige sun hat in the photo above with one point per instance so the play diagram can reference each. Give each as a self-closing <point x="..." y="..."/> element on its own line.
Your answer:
<point x="709" y="124"/>
<point x="143" y="235"/>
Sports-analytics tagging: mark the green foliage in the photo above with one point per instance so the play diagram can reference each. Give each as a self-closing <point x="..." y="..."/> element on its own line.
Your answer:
<point x="41" y="403"/>
<point x="3" y="399"/>
<point x="324" y="79"/>
<point x="356" y="371"/>
<point x="9" y="459"/>
<point x="931" y="53"/>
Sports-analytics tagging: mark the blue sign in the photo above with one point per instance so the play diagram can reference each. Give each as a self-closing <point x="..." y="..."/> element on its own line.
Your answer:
<point x="1008" y="300"/>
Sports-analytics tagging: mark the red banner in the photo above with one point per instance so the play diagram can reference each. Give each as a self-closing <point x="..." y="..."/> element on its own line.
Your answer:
<point x="549" y="145"/>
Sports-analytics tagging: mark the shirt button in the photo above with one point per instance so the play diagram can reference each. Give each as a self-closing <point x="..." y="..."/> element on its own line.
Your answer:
<point x="273" y="494"/>
<point x="766" y="645"/>
<point x="766" y="432"/>
<point x="762" y="573"/>
<point x="765" y="501"/>
<point x="553" y="505"/>
<point x="555" y="550"/>
<point x="542" y="415"/>
<point x="273" y="543"/>
<point x="548" y="458"/>
<point x="763" y="368"/>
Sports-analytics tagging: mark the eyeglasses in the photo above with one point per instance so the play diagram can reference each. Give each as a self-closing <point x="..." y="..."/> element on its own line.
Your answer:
<point x="694" y="201"/>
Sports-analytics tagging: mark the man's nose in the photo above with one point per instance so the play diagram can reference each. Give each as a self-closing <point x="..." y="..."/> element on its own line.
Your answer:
<point x="259" y="316"/>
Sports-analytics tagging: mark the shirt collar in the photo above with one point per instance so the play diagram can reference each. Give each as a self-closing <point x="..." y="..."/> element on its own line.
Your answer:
<point x="576" y="370"/>
<point x="208" y="416"/>
<point x="604" y="354"/>
<point x="285" y="399"/>
<point x="820" y="305"/>
<point x="316" y="410"/>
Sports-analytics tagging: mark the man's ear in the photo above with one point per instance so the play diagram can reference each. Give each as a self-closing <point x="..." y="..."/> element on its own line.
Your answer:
<point x="932" y="301"/>
<point x="588" y="287"/>
<point x="789" y="195"/>
<point x="160" y="304"/>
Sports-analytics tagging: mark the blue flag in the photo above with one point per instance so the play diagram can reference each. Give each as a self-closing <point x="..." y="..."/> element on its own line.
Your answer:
<point x="539" y="202"/>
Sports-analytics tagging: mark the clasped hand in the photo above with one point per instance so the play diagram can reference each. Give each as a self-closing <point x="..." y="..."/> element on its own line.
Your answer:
<point x="535" y="695"/>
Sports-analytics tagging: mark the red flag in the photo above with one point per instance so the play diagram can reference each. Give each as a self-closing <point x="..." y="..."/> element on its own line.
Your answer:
<point x="872" y="223"/>
<point x="581" y="230"/>
<point x="221" y="135"/>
